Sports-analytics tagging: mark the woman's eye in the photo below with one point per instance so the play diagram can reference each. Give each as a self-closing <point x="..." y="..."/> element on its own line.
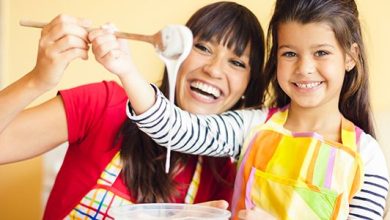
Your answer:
<point x="202" y="48"/>
<point x="289" y="54"/>
<point x="321" y="53"/>
<point x="238" y="63"/>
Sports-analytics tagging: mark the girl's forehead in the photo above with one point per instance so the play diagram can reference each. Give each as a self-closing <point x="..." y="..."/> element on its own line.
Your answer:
<point x="309" y="25"/>
<point x="309" y="33"/>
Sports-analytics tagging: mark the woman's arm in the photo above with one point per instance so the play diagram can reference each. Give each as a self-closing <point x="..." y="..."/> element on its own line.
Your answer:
<point x="25" y="133"/>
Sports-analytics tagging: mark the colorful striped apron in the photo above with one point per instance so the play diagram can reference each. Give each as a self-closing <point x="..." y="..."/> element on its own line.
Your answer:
<point x="98" y="201"/>
<point x="298" y="175"/>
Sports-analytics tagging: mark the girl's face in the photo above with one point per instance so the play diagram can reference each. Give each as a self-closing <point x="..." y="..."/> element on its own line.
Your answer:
<point x="212" y="78"/>
<point x="311" y="64"/>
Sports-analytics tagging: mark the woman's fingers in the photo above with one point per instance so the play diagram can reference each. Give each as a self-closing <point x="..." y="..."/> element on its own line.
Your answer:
<point x="63" y="26"/>
<point x="66" y="44"/>
<point x="222" y="204"/>
<point x="65" y="34"/>
<point x="64" y="39"/>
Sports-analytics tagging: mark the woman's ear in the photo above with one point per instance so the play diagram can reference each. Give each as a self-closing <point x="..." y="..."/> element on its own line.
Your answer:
<point x="351" y="57"/>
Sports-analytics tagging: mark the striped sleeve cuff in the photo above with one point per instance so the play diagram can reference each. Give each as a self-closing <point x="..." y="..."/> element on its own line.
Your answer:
<point x="370" y="202"/>
<point x="152" y="113"/>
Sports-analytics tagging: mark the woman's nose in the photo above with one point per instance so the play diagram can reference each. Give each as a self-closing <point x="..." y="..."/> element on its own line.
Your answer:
<point x="214" y="67"/>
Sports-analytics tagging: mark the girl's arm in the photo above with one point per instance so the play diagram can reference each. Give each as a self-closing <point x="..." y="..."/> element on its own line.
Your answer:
<point x="216" y="135"/>
<point x="25" y="133"/>
<point x="213" y="135"/>
<point x="115" y="56"/>
<point x="370" y="201"/>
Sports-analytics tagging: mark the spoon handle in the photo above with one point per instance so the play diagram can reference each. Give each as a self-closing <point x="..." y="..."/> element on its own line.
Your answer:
<point x="35" y="24"/>
<point x="147" y="38"/>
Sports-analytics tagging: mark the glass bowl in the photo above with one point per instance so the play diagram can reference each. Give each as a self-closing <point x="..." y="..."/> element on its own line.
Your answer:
<point x="168" y="211"/>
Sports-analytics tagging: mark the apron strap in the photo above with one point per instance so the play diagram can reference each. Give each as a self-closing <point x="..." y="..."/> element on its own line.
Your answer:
<point x="194" y="186"/>
<point x="111" y="172"/>
<point x="113" y="169"/>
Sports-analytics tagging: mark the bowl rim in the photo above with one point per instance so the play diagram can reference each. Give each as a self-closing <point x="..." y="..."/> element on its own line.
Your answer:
<point x="222" y="213"/>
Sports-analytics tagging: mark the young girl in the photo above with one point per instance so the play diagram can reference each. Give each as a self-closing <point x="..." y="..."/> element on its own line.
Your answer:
<point x="109" y="161"/>
<point x="314" y="156"/>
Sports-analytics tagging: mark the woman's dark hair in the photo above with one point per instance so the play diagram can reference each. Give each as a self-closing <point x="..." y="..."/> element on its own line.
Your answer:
<point x="343" y="17"/>
<point x="143" y="160"/>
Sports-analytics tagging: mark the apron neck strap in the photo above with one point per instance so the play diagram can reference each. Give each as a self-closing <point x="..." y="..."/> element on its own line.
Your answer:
<point x="348" y="129"/>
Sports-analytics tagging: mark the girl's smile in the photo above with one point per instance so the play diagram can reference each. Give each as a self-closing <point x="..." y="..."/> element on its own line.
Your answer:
<point x="307" y="85"/>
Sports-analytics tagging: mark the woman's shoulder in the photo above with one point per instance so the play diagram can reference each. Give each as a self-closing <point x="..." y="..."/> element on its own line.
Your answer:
<point x="104" y="91"/>
<point x="97" y="86"/>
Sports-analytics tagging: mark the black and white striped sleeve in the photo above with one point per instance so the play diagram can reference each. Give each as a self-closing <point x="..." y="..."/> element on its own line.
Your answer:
<point x="370" y="201"/>
<point x="213" y="135"/>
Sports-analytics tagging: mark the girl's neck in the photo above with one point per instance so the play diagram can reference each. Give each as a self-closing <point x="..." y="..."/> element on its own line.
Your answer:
<point x="324" y="121"/>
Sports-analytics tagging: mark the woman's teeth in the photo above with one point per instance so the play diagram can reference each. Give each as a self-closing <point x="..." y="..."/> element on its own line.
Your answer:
<point x="206" y="89"/>
<point x="308" y="85"/>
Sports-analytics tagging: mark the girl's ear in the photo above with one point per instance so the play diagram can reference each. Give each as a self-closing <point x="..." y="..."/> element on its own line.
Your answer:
<point x="351" y="57"/>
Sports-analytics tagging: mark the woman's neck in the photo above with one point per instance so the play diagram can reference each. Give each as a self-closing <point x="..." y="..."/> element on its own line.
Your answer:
<point x="324" y="121"/>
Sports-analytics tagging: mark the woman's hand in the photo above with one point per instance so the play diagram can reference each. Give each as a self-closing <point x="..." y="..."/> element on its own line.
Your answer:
<point x="111" y="52"/>
<point x="222" y="204"/>
<point x="63" y="40"/>
<point x="254" y="214"/>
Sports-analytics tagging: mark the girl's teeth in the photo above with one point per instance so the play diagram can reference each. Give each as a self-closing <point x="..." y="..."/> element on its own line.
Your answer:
<point x="308" y="85"/>
<point x="206" y="88"/>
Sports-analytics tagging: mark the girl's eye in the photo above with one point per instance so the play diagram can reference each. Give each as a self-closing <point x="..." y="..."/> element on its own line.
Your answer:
<point x="289" y="54"/>
<point x="321" y="53"/>
<point x="202" y="48"/>
<point x="238" y="63"/>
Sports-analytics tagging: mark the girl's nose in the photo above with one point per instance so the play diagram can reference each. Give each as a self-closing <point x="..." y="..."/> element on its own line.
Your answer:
<point x="214" y="67"/>
<point x="305" y="66"/>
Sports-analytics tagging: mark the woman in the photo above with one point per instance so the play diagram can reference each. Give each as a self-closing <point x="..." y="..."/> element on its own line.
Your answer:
<point x="109" y="161"/>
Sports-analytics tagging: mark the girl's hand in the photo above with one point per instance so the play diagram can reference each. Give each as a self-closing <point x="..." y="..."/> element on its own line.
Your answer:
<point x="111" y="52"/>
<point x="114" y="55"/>
<point x="254" y="214"/>
<point x="64" y="39"/>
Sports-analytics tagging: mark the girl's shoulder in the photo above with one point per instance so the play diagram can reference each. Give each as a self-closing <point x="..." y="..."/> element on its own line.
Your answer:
<point x="258" y="115"/>
<point x="252" y="117"/>
<point x="372" y="155"/>
<point x="367" y="144"/>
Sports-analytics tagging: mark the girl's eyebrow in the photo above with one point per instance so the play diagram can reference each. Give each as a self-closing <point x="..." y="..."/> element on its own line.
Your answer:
<point x="323" y="45"/>
<point x="281" y="46"/>
<point x="285" y="46"/>
<point x="314" y="46"/>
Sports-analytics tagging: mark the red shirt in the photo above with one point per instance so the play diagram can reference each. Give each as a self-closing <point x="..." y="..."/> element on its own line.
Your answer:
<point x="95" y="114"/>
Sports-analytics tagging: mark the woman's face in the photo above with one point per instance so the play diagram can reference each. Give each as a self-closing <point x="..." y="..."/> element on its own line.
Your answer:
<point x="212" y="78"/>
